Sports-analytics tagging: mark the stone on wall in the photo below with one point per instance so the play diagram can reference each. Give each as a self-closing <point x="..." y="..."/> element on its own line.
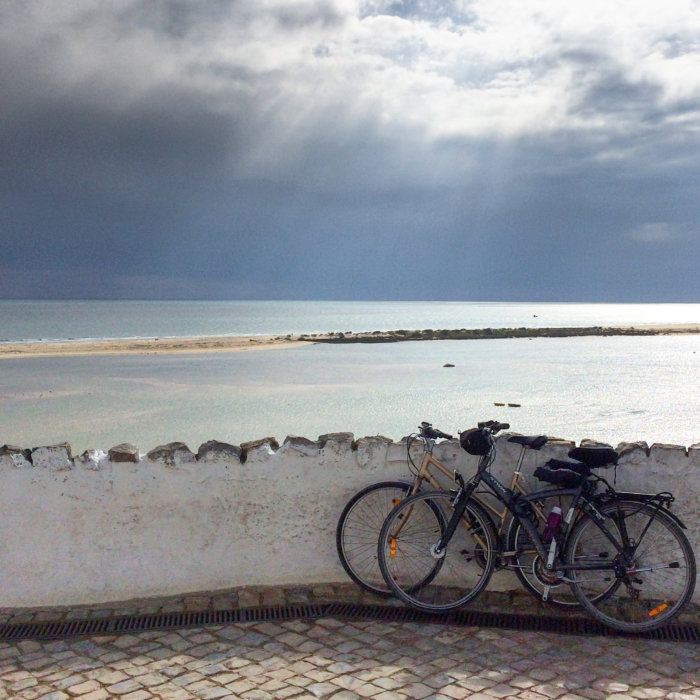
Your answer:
<point x="54" y="457"/>
<point x="336" y="445"/>
<point x="91" y="459"/>
<point x="372" y="450"/>
<point x="15" y="457"/>
<point x="659" y="450"/>
<point x="259" y="450"/>
<point x="215" y="451"/>
<point x="628" y="449"/>
<point x="694" y="454"/>
<point x="558" y="448"/>
<point x="173" y="454"/>
<point x="302" y="445"/>
<point x="125" y="452"/>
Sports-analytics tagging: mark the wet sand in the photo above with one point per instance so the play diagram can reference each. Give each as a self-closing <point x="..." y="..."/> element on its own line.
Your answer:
<point x="151" y="346"/>
<point x="145" y="346"/>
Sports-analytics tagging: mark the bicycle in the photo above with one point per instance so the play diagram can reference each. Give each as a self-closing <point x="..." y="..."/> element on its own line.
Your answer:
<point x="362" y="517"/>
<point x="624" y="555"/>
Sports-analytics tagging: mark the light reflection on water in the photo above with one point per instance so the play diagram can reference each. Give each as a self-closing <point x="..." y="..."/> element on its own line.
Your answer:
<point x="610" y="389"/>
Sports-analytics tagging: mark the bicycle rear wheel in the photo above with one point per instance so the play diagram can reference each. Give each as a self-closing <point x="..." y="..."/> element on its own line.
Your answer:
<point x="656" y="575"/>
<point x="420" y="577"/>
<point x="358" y="531"/>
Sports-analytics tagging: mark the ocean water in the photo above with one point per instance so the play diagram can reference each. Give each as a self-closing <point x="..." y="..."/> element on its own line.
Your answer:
<point x="64" y="320"/>
<point x="612" y="389"/>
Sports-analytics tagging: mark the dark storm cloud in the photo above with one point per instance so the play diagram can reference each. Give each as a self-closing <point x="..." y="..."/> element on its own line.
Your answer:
<point x="290" y="149"/>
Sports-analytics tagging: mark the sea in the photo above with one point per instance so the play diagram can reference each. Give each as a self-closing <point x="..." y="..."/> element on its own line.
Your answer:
<point x="610" y="389"/>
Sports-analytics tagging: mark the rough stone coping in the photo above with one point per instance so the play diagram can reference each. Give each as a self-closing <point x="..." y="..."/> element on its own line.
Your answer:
<point x="515" y="601"/>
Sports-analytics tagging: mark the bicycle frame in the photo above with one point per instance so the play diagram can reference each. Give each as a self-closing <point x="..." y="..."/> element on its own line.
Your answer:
<point x="429" y="462"/>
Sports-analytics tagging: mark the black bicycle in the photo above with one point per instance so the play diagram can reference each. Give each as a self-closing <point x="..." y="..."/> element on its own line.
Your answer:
<point x="362" y="517"/>
<point x="624" y="555"/>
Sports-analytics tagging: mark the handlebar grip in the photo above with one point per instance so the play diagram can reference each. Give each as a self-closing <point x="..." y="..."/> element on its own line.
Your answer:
<point x="494" y="426"/>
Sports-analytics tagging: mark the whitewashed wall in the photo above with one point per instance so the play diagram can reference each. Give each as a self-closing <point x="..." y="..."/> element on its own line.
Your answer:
<point x="90" y="529"/>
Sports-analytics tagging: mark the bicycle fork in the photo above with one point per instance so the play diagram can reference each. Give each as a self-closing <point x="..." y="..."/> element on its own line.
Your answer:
<point x="459" y="504"/>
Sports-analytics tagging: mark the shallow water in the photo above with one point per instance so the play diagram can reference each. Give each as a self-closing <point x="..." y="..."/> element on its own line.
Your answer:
<point x="611" y="389"/>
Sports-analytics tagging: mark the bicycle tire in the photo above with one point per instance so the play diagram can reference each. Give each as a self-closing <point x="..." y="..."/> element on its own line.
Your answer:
<point x="528" y="565"/>
<point x="358" y="530"/>
<point x="418" y="577"/>
<point x="661" y="570"/>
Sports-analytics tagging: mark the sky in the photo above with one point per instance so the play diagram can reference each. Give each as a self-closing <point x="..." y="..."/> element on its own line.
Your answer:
<point x="503" y="150"/>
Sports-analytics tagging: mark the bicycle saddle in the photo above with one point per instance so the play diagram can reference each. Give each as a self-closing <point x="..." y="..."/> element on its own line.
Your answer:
<point x="534" y="442"/>
<point x="595" y="456"/>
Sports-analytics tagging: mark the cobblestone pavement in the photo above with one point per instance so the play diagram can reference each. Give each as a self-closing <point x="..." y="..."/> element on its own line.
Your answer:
<point x="327" y="658"/>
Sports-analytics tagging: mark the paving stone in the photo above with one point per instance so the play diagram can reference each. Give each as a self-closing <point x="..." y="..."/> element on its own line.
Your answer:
<point x="257" y="694"/>
<point x="124" y="687"/>
<point x="417" y="691"/>
<point x="647" y="693"/>
<point x="137" y="695"/>
<point x="390" y="695"/>
<point x="83" y="688"/>
<point x="214" y="692"/>
<point x="100" y="694"/>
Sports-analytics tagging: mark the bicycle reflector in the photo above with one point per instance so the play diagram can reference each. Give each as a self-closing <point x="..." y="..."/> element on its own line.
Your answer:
<point x="475" y="441"/>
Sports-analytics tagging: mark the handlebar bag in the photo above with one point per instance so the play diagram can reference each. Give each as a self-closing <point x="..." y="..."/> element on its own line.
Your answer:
<point x="475" y="441"/>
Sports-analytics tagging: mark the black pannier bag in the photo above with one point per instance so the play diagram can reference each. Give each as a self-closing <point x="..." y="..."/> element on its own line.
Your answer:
<point x="475" y="441"/>
<point x="565" y="478"/>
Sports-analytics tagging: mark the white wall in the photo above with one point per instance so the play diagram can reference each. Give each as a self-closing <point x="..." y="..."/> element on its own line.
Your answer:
<point x="90" y="530"/>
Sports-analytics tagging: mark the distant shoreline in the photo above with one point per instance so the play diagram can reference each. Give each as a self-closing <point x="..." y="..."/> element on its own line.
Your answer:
<point x="150" y="346"/>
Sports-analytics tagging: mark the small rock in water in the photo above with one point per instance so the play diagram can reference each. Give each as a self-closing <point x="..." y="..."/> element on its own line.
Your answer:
<point x="448" y="364"/>
<point x="498" y="404"/>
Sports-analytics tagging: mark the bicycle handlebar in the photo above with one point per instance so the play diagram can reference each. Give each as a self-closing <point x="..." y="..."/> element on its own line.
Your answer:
<point x="427" y="430"/>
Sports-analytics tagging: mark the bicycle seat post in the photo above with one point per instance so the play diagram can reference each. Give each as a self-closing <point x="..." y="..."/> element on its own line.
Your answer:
<point x="521" y="459"/>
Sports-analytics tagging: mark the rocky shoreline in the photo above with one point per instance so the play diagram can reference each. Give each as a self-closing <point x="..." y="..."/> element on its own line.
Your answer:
<point x="491" y="333"/>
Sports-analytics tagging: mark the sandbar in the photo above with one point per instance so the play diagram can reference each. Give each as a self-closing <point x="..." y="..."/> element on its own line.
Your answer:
<point x="145" y="346"/>
<point x="152" y="346"/>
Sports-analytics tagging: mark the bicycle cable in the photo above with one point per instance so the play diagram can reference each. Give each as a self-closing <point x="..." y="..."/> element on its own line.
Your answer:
<point x="412" y="466"/>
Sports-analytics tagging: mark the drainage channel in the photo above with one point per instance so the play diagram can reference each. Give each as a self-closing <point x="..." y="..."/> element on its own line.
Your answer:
<point x="344" y="611"/>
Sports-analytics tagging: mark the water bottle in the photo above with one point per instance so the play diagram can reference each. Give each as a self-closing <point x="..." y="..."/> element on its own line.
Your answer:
<point x="553" y="521"/>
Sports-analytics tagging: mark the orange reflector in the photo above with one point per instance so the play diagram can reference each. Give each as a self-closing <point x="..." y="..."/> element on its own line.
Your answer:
<point x="656" y="611"/>
<point x="397" y="501"/>
<point x="392" y="548"/>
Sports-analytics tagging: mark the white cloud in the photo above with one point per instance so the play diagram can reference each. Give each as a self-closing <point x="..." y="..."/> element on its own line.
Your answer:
<point x="486" y="68"/>
<point x="654" y="232"/>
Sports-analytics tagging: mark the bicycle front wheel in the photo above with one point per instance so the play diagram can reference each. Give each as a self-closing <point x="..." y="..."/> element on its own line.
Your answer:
<point x="654" y="575"/>
<point x="418" y="575"/>
<point x="358" y="531"/>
